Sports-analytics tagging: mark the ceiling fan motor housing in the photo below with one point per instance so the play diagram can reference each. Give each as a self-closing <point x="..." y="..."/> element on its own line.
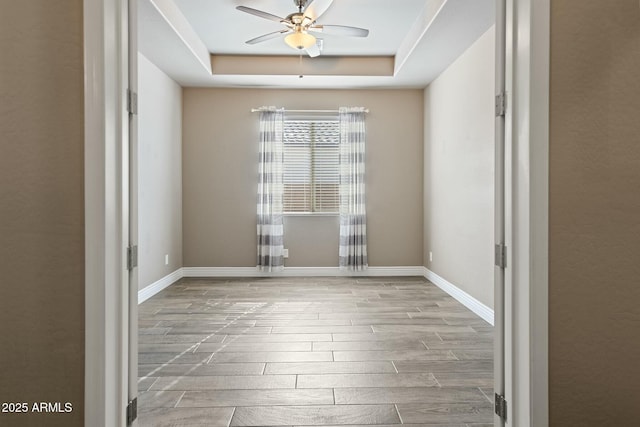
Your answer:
<point x="301" y="26"/>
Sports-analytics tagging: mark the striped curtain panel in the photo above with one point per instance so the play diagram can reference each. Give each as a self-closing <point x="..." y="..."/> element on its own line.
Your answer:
<point x="353" y="217"/>
<point x="270" y="190"/>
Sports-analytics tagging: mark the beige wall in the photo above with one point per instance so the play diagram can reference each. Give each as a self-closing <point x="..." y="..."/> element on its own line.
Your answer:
<point x="459" y="168"/>
<point x="41" y="209"/>
<point x="594" y="214"/>
<point x="159" y="173"/>
<point x="220" y="175"/>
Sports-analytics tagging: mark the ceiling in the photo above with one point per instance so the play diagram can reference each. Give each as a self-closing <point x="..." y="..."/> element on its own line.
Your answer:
<point x="410" y="42"/>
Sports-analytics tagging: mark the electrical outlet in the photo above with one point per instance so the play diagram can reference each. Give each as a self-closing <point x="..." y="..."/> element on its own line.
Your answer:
<point x="430" y="256"/>
<point x="166" y="259"/>
<point x="285" y="253"/>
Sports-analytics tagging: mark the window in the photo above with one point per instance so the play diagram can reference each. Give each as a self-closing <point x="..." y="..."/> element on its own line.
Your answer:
<point x="311" y="166"/>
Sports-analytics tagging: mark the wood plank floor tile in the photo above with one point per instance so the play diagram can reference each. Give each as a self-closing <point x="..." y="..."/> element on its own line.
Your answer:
<point x="344" y="356"/>
<point x="297" y="322"/>
<point x="386" y="336"/>
<point x="153" y="331"/>
<point x="159" y="399"/>
<point x="369" y="345"/>
<point x="145" y="383"/>
<point x="378" y="395"/>
<point x="166" y="348"/>
<point x="246" y="382"/>
<point x="486" y="328"/>
<point x="473" y="354"/>
<point x="207" y="317"/>
<point x="233" y="330"/>
<point x="460" y="345"/>
<point x="421" y="328"/>
<point x="281" y="316"/>
<point x="330" y="368"/>
<point x="413" y="321"/>
<point x="176" y="358"/>
<point x="443" y="313"/>
<point x="258" y="397"/>
<point x="385" y="308"/>
<point x="315" y="415"/>
<point x="471" y="322"/>
<point x="489" y="393"/>
<point x="445" y="412"/>
<point x="191" y="310"/>
<point x="355" y="315"/>
<point x="460" y="366"/>
<point x="234" y="347"/>
<point x="465" y="379"/>
<point x="205" y="325"/>
<point x="411" y="425"/>
<point x="179" y="417"/>
<point x="464" y="336"/>
<point x="144" y="323"/>
<point x="166" y="305"/>
<point x="279" y="338"/>
<point x="178" y="339"/>
<point x="321" y="329"/>
<point x="365" y="380"/>
<point x="273" y="356"/>
<point x="213" y="369"/>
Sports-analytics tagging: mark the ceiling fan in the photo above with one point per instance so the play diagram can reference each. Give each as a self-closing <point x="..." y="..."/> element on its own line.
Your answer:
<point x="302" y="27"/>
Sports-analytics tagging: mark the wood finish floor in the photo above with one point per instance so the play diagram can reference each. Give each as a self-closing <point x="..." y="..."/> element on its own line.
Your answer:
<point x="312" y="352"/>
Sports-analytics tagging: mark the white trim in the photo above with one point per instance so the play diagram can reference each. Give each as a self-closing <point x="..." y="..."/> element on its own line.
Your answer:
<point x="417" y="32"/>
<point x="183" y="29"/>
<point x="159" y="285"/>
<point x="526" y="203"/>
<point x="106" y="221"/>
<point x="300" y="272"/>
<point x="464" y="298"/>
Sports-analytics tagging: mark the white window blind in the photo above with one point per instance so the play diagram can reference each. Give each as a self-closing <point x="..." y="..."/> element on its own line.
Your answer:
<point x="311" y="166"/>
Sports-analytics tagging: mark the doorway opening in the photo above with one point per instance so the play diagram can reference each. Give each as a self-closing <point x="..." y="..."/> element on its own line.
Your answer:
<point x="515" y="260"/>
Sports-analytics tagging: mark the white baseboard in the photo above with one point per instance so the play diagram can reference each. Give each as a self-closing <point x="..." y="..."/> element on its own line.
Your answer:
<point x="149" y="291"/>
<point x="300" y="271"/>
<point x="464" y="298"/>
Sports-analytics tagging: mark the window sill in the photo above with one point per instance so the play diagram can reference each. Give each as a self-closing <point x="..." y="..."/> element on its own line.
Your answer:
<point x="311" y="214"/>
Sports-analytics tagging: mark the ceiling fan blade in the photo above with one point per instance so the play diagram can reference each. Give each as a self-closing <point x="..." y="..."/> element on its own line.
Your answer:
<point x="266" y="37"/>
<point x="313" y="51"/>
<point x="315" y="8"/>
<point x="260" y="13"/>
<point x="340" y="30"/>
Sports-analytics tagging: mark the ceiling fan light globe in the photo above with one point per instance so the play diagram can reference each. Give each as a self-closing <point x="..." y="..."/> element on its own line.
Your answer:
<point x="300" y="40"/>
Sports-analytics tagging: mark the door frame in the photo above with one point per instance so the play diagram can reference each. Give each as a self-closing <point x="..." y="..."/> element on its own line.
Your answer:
<point x="106" y="182"/>
<point x="107" y="218"/>
<point x="527" y="60"/>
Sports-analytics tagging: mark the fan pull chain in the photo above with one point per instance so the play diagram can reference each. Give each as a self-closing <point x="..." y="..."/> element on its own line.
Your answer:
<point x="300" y="62"/>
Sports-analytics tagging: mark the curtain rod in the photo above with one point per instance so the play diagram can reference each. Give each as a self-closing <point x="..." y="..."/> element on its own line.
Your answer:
<point x="256" y="110"/>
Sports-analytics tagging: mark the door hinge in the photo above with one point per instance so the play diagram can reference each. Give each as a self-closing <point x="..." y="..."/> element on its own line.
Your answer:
<point x="132" y="411"/>
<point x="501" y="406"/>
<point x="132" y="102"/>
<point x="501" y="104"/>
<point x="501" y="255"/>
<point x="132" y="257"/>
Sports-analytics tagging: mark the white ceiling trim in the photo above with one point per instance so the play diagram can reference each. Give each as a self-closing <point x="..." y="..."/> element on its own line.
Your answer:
<point x="417" y="32"/>
<point x="185" y="32"/>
